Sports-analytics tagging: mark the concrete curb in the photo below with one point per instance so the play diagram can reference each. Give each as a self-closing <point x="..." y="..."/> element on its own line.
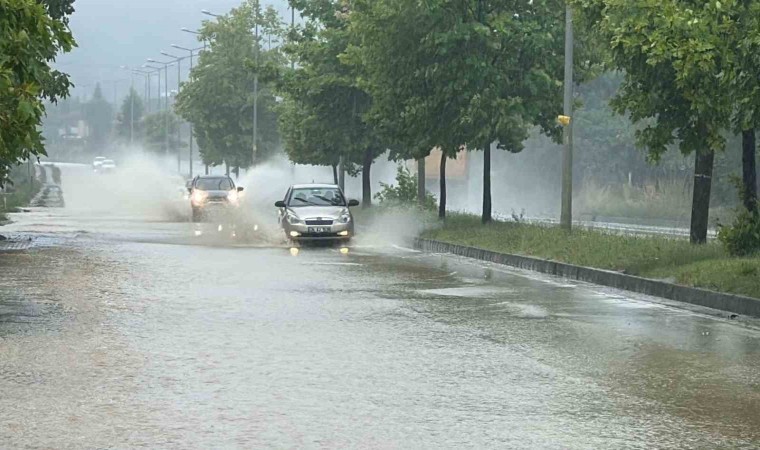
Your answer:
<point x="726" y="302"/>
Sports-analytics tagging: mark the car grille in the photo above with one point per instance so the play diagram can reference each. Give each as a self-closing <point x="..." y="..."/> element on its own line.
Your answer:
<point x="318" y="222"/>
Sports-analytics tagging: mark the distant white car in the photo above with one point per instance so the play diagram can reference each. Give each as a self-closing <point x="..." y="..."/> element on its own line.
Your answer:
<point x="97" y="162"/>
<point x="109" y="165"/>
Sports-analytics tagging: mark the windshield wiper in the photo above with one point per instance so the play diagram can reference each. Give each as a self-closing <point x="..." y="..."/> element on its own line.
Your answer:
<point x="305" y="201"/>
<point x="331" y="202"/>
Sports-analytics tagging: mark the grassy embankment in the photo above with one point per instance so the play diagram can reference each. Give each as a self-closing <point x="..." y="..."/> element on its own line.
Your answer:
<point x="706" y="266"/>
<point x="671" y="202"/>
<point x="18" y="194"/>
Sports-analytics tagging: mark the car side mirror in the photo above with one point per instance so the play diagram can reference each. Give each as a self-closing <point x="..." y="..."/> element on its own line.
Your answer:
<point x="279" y="204"/>
<point x="353" y="203"/>
<point x="240" y="189"/>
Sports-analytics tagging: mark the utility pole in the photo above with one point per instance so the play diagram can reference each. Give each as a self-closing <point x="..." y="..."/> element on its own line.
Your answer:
<point x="566" y="216"/>
<point x="256" y="84"/>
<point x="132" y="109"/>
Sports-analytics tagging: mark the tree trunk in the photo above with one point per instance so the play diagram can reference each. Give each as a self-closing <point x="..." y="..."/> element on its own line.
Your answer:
<point x="335" y="173"/>
<point x="366" y="180"/>
<point x="442" y="178"/>
<point x="700" y="204"/>
<point x="421" y="182"/>
<point x="206" y="169"/>
<point x="749" y="171"/>
<point x="486" y="184"/>
<point x="237" y="172"/>
<point x="227" y="168"/>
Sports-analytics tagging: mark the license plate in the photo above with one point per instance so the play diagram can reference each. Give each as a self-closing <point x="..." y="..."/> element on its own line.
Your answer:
<point x="319" y="229"/>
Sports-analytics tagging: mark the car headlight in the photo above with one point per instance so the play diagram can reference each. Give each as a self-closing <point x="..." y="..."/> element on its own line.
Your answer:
<point x="233" y="196"/>
<point x="345" y="216"/>
<point x="199" y="196"/>
<point x="293" y="219"/>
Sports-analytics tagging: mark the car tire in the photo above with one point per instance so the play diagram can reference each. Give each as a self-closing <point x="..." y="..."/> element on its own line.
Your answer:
<point x="196" y="215"/>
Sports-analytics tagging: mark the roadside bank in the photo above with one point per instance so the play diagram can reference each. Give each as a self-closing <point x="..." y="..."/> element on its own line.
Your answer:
<point x="23" y="185"/>
<point x="666" y="261"/>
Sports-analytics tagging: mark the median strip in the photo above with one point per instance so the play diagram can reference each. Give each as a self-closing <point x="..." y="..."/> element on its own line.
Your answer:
<point x="665" y="267"/>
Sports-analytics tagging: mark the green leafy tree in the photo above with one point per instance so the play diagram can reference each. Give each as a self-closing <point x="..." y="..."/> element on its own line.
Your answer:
<point x="326" y="89"/>
<point x="32" y="34"/>
<point x="155" y="135"/>
<point x="129" y="121"/>
<point x="218" y="99"/>
<point x="98" y="115"/>
<point x="471" y="72"/>
<point x="414" y="112"/>
<point x="674" y="55"/>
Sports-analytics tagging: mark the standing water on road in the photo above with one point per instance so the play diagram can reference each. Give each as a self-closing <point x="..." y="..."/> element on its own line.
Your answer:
<point x="118" y="330"/>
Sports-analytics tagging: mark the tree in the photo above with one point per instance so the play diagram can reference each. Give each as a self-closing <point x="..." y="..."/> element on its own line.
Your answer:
<point x="218" y="99"/>
<point x="472" y="72"/>
<point x="745" y="82"/>
<point x="32" y="34"/>
<point x="327" y="89"/>
<point x="414" y="112"/>
<point x="674" y="54"/>
<point x="155" y="125"/>
<point x="98" y="114"/>
<point x="129" y="124"/>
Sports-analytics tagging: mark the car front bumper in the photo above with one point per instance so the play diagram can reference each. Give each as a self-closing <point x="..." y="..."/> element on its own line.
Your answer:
<point x="303" y="232"/>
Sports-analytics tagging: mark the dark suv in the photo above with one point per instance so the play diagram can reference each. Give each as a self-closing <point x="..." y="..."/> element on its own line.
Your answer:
<point x="212" y="191"/>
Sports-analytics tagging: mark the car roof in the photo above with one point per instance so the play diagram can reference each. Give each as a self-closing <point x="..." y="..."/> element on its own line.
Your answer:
<point x="313" y="186"/>
<point x="100" y="157"/>
<point x="213" y="177"/>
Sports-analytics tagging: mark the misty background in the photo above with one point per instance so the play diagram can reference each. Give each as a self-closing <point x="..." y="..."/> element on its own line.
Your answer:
<point x="612" y="179"/>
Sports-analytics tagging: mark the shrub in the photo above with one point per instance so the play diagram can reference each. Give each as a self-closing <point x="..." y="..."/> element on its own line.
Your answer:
<point x="742" y="237"/>
<point x="404" y="193"/>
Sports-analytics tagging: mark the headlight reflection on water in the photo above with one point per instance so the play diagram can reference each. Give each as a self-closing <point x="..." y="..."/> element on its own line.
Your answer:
<point x="344" y="250"/>
<point x="294" y="251"/>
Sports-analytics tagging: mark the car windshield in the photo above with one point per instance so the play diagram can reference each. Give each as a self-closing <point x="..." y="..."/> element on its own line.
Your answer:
<point x="328" y="196"/>
<point x="214" y="184"/>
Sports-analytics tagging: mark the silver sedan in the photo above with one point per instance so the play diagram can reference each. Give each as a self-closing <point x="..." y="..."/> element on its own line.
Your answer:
<point x="316" y="212"/>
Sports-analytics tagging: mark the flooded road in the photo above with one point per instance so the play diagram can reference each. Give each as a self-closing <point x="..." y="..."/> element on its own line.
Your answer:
<point x="122" y="329"/>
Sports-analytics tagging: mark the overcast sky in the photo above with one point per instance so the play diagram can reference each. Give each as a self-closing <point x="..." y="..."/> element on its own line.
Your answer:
<point x="113" y="33"/>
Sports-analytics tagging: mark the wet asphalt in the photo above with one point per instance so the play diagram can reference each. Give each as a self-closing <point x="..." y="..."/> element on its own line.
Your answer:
<point x="122" y="325"/>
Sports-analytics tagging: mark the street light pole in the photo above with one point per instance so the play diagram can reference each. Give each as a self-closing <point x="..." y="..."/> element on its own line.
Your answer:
<point x="131" y="104"/>
<point x="190" y="139"/>
<point x="166" y="100"/>
<point x="179" y="130"/>
<point x="566" y="215"/>
<point x="256" y="85"/>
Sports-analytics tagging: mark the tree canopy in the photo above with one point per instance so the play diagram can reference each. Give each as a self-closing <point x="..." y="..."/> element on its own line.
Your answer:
<point x="32" y="34"/>
<point x="218" y="99"/>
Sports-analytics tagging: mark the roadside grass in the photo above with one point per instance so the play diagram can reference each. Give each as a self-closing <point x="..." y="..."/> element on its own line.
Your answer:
<point x="672" y="201"/>
<point x="707" y="266"/>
